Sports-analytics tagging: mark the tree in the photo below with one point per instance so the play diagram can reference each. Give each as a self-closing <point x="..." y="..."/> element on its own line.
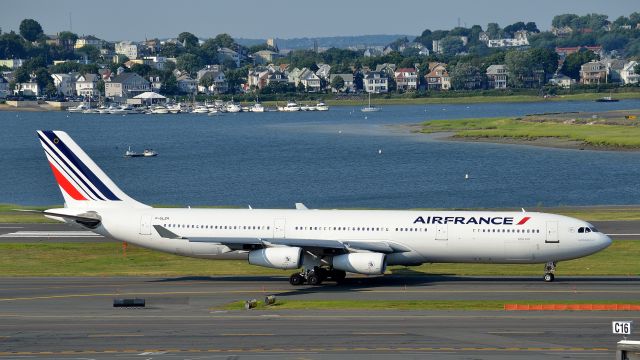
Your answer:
<point x="100" y="86"/>
<point x="563" y="20"/>
<point x="170" y="85"/>
<point x="67" y="39"/>
<point x="337" y="83"/>
<point x="12" y="46"/>
<point x="451" y="45"/>
<point x="358" y="81"/>
<point x="142" y="70"/>
<point x="224" y="40"/>
<point x="188" y="39"/>
<point x="189" y="63"/>
<point x="466" y="76"/>
<point x="544" y="59"/>
<point x="43" y="78"/>
<point x="531" y="27"/>
<point x="300" y="87"/>
<point x="493" y="30"/>
<point x="206" y="81"/>
<point x="171" y="50"/>
<point x="235" y="78"/>
<point x="91" y="52"/>
<point x="573" y="62"/>
<point x="520" y="67"/>
<point x="50" y="89"/>
<point x="209" y="51"/>
<point x="30" y="30"/>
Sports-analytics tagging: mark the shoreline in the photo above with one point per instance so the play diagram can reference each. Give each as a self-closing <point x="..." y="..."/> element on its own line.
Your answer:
<point x="544" y="142"/>
<point x="499" y="99"/>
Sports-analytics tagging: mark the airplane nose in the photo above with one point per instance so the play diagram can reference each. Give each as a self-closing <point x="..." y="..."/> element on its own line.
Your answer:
<point x="605" y="241"/>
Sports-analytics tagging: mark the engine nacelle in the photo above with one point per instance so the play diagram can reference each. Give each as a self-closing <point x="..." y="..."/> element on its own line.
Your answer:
<point x="277" y="257"/>
<point x="361" y="263"/>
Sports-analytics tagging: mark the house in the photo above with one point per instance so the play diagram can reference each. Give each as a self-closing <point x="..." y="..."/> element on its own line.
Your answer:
<point x="65" y="83"/>
<point x="628" y="73"/>
<point x="12" y="64"/>
<point x="562" y="81"/>
<point x="105" y="74"/>
<point x="88" y="41"/>
<point x="211" y="80"/>
<point x="593" y="72"/>
<point x="406" y="79"/>
<point x="436" y="45"/>
<point x="4" y="87"/>
<point x="156" y="62"/>
<point x="386" y="68"/>
<point x="156" y="83"/>
<point x="87" y="85"/>
<point x="126" y="85"/>
<point x="373" y="51"/>
<point x="563" y="52"/>
<point x="438" y="77"/>
<point x="348" y="87"/>
<point x="614" y="69"/>
<point x="276" y="76"/>
<point x="226" y="54"/>
<point x="257" y="78"/>
<point x="497" y="76"/>
<point x="29" y="88"/>
<point x="128" y="49"/>
<point x="522" y="39"/>
<point x="186" y="83"/>
<point x="375" y="82"/>
<point x="324" y="71"/>
<point x="484" y="37"/>
<point x="562" y="32"/>
<point x="310" y="80"/>
<point x="265" y="57"/>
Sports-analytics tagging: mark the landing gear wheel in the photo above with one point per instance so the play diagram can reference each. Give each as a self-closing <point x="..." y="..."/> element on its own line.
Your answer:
<point x="549" y="269"/>
<point x="548" y="277"/>
<point x="296" y="279"/>
<point x="338" y="276"/>
<point x="314" y="279"/>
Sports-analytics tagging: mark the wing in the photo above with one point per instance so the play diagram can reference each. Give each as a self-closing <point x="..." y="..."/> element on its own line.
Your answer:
<point x="381" y="246"/>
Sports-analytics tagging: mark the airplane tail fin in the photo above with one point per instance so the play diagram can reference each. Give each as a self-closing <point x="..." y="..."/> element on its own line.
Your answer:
<point x="82" y="183"/>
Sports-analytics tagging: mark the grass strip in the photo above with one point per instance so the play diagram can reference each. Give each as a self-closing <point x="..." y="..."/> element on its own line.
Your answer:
<point x="106" y="259"/>
<point x="597" y="135"/>
<point x="496" y="305"/>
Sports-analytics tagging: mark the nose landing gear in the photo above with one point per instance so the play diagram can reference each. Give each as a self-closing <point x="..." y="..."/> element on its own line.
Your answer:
<point x="549" y="269"/>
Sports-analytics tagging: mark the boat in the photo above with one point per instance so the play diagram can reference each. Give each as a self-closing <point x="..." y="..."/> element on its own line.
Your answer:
<point x="607" y="99"/>
<point x="304" y="107"/>
<point x="233" y="107"/>
<point x="370" y="108"/>
<point x="321" y="106"/>
<point x="201" y="109"/>
<point x="291" y="106"/>
<point x="105" y="110"/>
<point x="159" y="110"/>
<point x="257" y="107"/>
<point x="149" y="153"/>
<point x="78" y="109"/>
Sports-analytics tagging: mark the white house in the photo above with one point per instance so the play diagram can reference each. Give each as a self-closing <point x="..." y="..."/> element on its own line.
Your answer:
<point x="186" y="84"/>
<point x="406" y="79"/>
<point x="88" y="41"/>
<point x="324" y="70"/>
<point x="128" y="49"/>
<point x="226" y="53"/>
<point x="65" y="84"/>
<point x="216" y="79"/>
<point x="562" y="81"/>
<point x="126" y="85"/>
<point x="375" y="82"/>
<point x="497" y="75"/>
<point x="628" y="73"/>
<point x="29" y="88"/>
<point x="87" y="85"/>
<point x="310" y="80"/>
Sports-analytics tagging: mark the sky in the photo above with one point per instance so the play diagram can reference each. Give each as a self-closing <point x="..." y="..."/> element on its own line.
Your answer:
<point x="140" y="19"/>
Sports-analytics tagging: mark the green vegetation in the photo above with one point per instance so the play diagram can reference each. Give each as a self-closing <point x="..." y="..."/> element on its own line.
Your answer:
<point x="107" y="259"/>
<point x="402" y="304"/>
<point x="596" y="134"/>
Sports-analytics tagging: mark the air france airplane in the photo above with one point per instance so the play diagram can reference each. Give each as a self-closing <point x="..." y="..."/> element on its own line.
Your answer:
<point x="325" y="244"/>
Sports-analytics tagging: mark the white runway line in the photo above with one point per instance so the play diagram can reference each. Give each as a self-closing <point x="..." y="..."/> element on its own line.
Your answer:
<point x="50" y="234"/>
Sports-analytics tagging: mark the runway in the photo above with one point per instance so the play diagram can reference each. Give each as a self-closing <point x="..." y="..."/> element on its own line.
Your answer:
<point x="74" y="318"/>
<point x="30" y="233"/>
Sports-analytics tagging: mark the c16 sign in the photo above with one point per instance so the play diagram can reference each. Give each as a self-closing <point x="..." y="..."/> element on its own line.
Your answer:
<point x="622" y="327"/>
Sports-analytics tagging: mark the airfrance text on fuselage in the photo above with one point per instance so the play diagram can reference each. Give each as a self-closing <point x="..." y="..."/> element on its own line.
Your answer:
<point x="488" y="220"/>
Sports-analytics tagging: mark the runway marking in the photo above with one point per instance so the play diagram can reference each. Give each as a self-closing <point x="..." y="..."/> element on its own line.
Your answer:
<point x="50" y="234"/>
<point x="378" y="333"/>
<point x="316" y="349"/>
<point x="11" y="227"/>
<point x="246" y="334"/>
<point x="515" y="332"/>
<point x="622" y="234"/>
<point x="113" y="335"/>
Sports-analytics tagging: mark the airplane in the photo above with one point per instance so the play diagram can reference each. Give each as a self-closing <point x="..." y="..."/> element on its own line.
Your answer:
<point x="324" y="244"/>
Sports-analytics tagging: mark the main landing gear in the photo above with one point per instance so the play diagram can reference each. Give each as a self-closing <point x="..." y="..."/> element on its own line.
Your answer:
<point x="316" y="276"/>
<point x="549" y="269"/>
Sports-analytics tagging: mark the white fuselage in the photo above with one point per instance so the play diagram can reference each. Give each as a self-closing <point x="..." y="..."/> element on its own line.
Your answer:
<point x="429" y="236"/>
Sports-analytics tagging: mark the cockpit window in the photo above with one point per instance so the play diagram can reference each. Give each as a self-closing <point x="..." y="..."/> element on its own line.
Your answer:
<point x="594" y="229"/>
<point x="587" y="230"/>
<point x="581" y="230"/>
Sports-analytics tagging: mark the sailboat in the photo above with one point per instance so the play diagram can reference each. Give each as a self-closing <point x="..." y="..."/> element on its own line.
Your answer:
<point x="370" y="108"/>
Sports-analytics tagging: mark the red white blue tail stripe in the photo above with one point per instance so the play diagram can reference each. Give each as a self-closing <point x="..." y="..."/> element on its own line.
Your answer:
<point x="76" y="178"/>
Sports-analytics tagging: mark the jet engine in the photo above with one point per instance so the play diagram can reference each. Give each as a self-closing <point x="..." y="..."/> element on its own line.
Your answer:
<point x="277" y="257"/>
<point x="361" y="263"/>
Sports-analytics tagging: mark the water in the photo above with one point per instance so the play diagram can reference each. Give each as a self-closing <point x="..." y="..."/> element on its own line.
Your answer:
<point x="324" y="159"/>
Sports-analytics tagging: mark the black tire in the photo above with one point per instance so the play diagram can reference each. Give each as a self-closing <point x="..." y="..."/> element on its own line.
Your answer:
<point x="548" y="277"/>
<point x="314" y="279"/>
<point x="338" y="276"/>
<point x="296" y="279"/>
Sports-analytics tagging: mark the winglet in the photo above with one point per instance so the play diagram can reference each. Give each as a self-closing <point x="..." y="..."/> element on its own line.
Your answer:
<point x="162" y="231"/>
<point x="301" y="206"/>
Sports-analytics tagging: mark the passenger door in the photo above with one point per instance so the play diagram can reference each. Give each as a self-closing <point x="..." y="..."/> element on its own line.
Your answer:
<point x="145" y="225"/>
<point x="278" y="228"/>
<point x="442" y="232"/>
<point x="552" y="232"/>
